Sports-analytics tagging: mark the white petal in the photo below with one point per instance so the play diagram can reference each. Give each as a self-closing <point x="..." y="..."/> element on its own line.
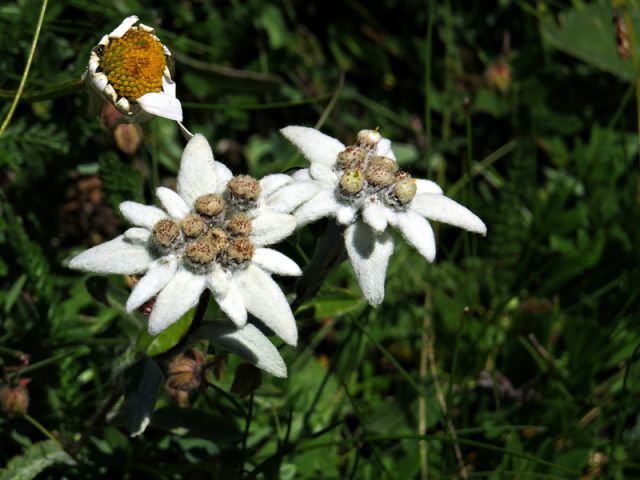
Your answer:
<point x="346" y="215"/>
<point x="375" y="215"/>
<point x="324" y="174"/>
<point x="175" y="299"/>
<point x="119" y="256"/>
<point x="142" y="215"/>
<point x="197" y="175"/>
<point x="124" y="27"/>
<point x="427" y="186"/>
<point x="271" y="228"/>
<point x="247" y="342"/>
<point x="369" y="253"/>
<point x="99" y="81"/>
<point x="443" y="209"/>
<point x="302" y="174"/>
<point x="383" y="148"/>
<point x="161" y="104"/>
<point x="138" y="235"/>
<point x="218" y="281"/>
<point x="314" y="145"/>
<point x="290" y="197"/>
<point x="275" y="262"/>
<point x="185" y="132"/>
<point x="417" y="231"/>
<point x="264" y="299"/>
<point x="223" y="175"/>
<point x="157" y="276"/>
<point x="322" y="204"/>
<point x="169" y="86"/>
<point x="232" y="304"/>
<point x="172" y="202"/>
<point x="273" y="182"/>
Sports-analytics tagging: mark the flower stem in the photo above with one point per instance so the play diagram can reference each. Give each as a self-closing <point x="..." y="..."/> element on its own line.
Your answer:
<point x="27" y="67"/>
<point x="43" y="430"/>
<point x="46" y="93"/>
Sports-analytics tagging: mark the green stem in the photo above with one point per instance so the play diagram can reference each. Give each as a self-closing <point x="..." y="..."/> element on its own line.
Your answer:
<point x="42" y="429"/>
<point x="27" y="67"/>
<point x="45" y="93"/>
<point x="427" y="84"/>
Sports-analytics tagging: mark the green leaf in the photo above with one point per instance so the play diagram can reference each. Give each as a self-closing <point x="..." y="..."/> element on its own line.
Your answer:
<point x="142" y="382"/>
<point x="167" y="339"/>
<point x="336" y="302"/>
<point x="195" y="423"/>
<point x="12" y="294"/>
<point x="588" y="33"/>
<point x="120" y="182"/>
<point x="34" y="460"/>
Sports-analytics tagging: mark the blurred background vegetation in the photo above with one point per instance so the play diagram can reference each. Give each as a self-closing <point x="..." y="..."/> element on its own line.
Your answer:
<point x="515" y="354"/>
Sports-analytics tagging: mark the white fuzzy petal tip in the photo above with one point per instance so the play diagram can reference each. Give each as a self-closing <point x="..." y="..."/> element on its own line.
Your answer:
<point x="158" y="275"/>
<point x="275" y="262"/>
<point x="140" y="215"/>
<point x="124" y="27"/>
<point x="313" y="144"/>
<point x="197" y="175"/>
<point x="117" y="256"/>
<point x="270" y="228"/>
<point x="249" y="343"/>
<point x="417" y="231"/>
<point x="172" y="202"/>
<point x="175" y="299"/>
<point x="162" y="105"/>
<point x="443" y="209"/>
<point x="369" y="254"/>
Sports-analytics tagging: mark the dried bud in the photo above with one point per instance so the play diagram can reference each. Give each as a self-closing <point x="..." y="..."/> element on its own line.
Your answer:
<point x="243" y="189"/>
<point x="386" y="163"/>
<point x="128" y="137"/>
<point x="210" y="205"/>
<point x="378" y="176"/>
<point x="351" y="182"/>
<point x="192" y="225"/>
<point x="239" y="225"/>
<point x="350" y="158"/>
<point x="14" y="400"/>
<point x="368" y="138"/>
<point x="239" y="251"/>
<point x="247" y="379"/>
<point x="498" y="76"/>
<point x="218" y="238"/>
<point x="166" y="233"/>
<point x="201" y="251"/>
<point x="184" y="373"/>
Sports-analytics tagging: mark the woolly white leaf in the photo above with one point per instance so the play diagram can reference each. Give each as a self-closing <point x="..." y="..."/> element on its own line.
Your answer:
<point x="197" y="175"/>
<point x="313" y="144"/>
<point x="175" y="299"/>
<point x="119" y="256"/>
<point x="443" y="209"/>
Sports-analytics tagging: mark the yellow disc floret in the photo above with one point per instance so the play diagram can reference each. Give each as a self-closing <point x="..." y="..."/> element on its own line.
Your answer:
<point x="134" y="64"/>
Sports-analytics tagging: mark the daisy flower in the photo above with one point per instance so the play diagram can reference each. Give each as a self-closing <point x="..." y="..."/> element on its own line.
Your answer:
<point x="211" y="234"/>
<point x="130" y="68"/>
<point x="363" y="188"/>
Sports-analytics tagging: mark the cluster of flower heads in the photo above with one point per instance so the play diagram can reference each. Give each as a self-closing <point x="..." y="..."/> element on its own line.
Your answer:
<point x="214" y="232"/>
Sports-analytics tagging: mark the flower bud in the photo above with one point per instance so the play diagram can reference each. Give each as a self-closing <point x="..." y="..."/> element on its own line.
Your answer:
<point x="368" y="138"/>
<point x="201" y="251"/>
<point x="218" y="238"/>
<point x="247" y="379"/>
<point x="14" y="401"/>
<point x="209" y="206"/>
<point x="386" y="163"/>
<point x="378" y="176"/>
<point x="243" y="190"/>
<point x="404" y="190"/>
<point x="184" y="373"/>
<point x="350" y="158"/>
<point x="240" y="250"/>
<point x="498" y="76"/>
<point x="239" y="224"/>
<point x="166" y="234"/>
<point x="351" y="182"/>
<point x="128" y="137"/>
<point x="192" y="225"/>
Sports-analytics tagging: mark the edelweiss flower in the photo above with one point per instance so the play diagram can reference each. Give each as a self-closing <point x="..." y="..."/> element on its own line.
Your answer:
<point x="363" y="189"/>
<point x="212" y="234"/>
<point x="130" y="68"/>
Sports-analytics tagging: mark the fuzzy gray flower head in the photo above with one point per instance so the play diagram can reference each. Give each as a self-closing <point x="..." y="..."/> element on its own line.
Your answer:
<point x="364" y="189"/>
<point x="211" y="234"/>
<point x="131" y="69"/>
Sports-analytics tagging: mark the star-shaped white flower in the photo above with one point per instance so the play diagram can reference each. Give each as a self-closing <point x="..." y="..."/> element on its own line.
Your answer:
<point x="211" y="234"/>
<point x="364" y="190"/>
<point x="131" y="69"/>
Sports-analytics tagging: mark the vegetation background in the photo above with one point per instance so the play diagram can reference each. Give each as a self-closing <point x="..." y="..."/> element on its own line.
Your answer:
<point x="512" y="356"/>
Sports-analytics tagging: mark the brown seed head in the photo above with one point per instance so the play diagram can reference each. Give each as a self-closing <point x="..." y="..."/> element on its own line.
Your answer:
<point x="239" y="250"/>
<point x="192" y="225"/>
<point x="378" y="176"/>
<point x="201" y="251"/>
<point x="209" y="205"/>
<point x="14" y="401"/>
<point x="351" y="158"/>
<point x="239" y="224"/>
<point x="244" y="187"/>
<point x="351" y="182"/>
<point x="165" y="233"/>
<point x="387" y="163"/>
<point x="218" y="238"/>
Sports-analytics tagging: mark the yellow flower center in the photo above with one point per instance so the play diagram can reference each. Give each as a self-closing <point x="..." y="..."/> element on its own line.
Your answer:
<point x="134" y="64"/>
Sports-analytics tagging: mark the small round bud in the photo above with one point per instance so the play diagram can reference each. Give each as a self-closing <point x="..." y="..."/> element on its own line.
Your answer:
<point x="368" y="138"/>
<point x="401" y="175"/>
<point x="184" y="374"/>
<point x="239" y="224"/>
<point x="351" y="182"/>
<point x="387" y="163"/>
<point x="350" y="158"/>
<point x="14" y="401"/>
<point x="404" y="190"/>
<point x="201" y="251"/>
<point x="218" y="238"/>
<point x="209" y="205"/>
<point x="247" y="379"/>
<point x="165" y="233"/>
<point x="378" y="176"/>
<point x="192" y="225"/>
<point x="240" y="250"/>
<point x="243" y="189"/>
